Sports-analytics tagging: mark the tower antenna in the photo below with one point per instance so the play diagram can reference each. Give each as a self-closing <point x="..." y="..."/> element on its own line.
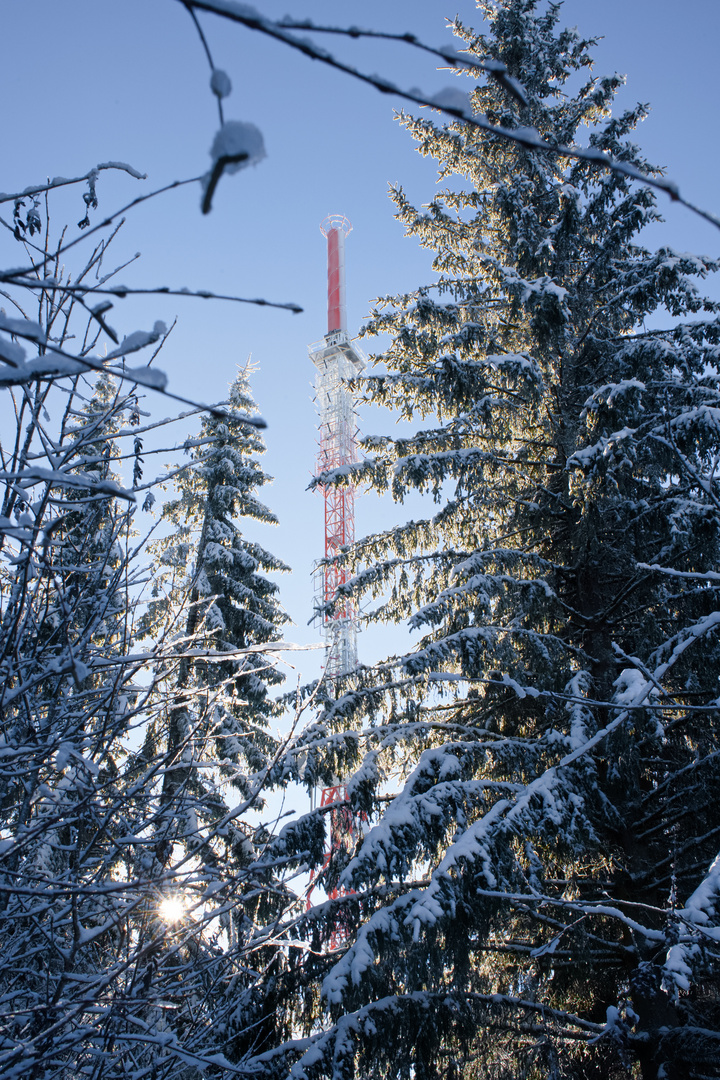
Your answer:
<point x="338" y="360"/>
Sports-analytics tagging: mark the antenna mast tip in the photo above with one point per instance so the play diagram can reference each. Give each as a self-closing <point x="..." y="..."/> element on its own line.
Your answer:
<point x="335" y="221"/>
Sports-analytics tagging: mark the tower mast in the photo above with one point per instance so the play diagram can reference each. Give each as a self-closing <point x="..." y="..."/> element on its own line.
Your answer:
<point x="338" y="360"/>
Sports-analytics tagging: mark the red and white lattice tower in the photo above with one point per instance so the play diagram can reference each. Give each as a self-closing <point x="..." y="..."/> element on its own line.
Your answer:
<point x="338" y="360"/>
<point x="342" y="838"/>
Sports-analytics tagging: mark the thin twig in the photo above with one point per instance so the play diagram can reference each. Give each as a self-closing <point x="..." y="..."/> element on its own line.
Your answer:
<point x="121" y="291"/>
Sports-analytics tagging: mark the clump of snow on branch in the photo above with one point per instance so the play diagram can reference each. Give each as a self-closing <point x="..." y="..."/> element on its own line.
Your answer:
<point x="450" y="98"/>
<point x="139" y="339"/>
<point x="700" y="918"/>
<point x="236" y="145"/>
<point x="632" y="687"/>
<point x="22" y="327"/>
<point x="237" y="137"/>
<point x="220" y="83"/>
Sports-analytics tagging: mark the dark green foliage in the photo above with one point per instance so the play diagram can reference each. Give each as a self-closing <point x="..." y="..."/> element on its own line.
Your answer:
<point x="538" y="897"/>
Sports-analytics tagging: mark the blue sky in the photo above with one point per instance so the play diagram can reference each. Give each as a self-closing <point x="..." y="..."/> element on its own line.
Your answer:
<point x="85" y="81"/>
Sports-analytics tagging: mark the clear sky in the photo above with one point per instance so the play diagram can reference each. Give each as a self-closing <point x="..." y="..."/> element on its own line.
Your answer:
<point x="85" y="81"/>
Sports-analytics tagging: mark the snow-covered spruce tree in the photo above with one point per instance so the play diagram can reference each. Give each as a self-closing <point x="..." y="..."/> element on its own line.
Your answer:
<point x="211" y="587"/>
<point x="540" y="896"/>
<point x="211" y="598"/>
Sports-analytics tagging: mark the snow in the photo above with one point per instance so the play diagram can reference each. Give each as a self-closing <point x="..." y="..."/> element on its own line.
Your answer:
<point x="521" y="691"/>
<point x="686" y="638"/>
<point x="42" y="367"/>
<point x="511" y="84"/>
<point x="121" y="165"/>
<point x="699" y="913"/>
<point x="543" y="286"/>
<point x="11" y="353"/>
<point x="700" y="908"/>
<point x="515" y="361"/>
<point x="684" y="260"/>
<point x="220" y="83"/>
<point x="138" y="340"/>
<point x="145" y="376"/>
<point x="353" y="965"/>
<point x="580" y="714"/>
<point x="237" y="137"/>
<point x="688" y="575"/>
<point x="451" y="98"/>
<point x="604" y="447"/>
<point x="71" y="480"/>
<point x="440" y="796"/>
<point x="23" y="328"/>
<point x="612" y="391"/>
<point x="632" y="687"/>
<point x="529" y="136"/>
<point x="677" y="969"/>
<point x="235" y="7"/>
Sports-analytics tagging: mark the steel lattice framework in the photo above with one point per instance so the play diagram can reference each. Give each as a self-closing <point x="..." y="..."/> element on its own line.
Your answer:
<point x="343" y="833"/>
<point x="338" y="360"/>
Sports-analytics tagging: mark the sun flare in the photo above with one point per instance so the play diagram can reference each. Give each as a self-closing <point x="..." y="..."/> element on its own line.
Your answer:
<point x="171" y="909"/>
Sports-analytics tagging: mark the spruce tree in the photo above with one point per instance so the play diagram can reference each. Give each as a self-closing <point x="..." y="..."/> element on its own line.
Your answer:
<point x="210" y="598"/>
<point x="211" y="586"/>
<point x="538" y="897"/>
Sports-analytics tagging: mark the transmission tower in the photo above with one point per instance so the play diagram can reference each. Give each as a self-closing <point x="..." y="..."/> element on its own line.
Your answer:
<point x="338" y="360"/>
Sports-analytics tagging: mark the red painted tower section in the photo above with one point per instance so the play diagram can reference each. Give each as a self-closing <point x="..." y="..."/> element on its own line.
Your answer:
<point x="337" y="318"/>
<point x="342" y="838"/>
